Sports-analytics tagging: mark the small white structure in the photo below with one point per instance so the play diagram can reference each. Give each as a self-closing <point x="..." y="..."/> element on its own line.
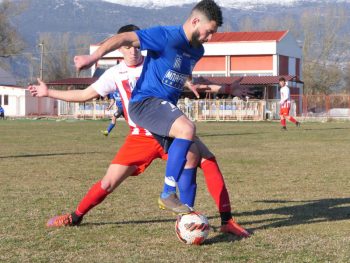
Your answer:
<point x="17" y="102"/>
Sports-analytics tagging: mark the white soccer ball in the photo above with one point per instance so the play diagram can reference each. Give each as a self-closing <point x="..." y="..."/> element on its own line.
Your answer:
<point x="192" y="228"/>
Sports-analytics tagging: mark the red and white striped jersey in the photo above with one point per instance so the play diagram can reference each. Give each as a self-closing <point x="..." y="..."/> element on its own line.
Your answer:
<point x="285" y="97"/>
<point x="123" y="78"/>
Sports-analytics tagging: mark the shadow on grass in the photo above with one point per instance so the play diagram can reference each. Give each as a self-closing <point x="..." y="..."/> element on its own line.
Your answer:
<point x="44" y="155"/>
<point x="217" y="239"/>
<point x="324" y="129"/>
<point x="136" y="222"/>
<point x="309" y="212"/>
<point x="229" y="134"/>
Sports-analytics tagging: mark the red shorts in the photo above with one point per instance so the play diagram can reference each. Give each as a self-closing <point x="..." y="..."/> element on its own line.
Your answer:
<point x="284" y="111"/>
<point x="140" y="151"/>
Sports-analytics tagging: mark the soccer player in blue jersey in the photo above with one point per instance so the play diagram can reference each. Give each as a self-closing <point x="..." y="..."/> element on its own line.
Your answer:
<point x="172" y="52"/>
<point x="2" y="113"/>
<point x="115" y="99"/>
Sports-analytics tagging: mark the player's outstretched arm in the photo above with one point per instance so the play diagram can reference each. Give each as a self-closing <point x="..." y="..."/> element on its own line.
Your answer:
<point x="111" y="44"/>
<point x="41" y="90"/>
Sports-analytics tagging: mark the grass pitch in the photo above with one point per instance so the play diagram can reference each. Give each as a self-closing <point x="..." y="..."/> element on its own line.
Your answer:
<point x="290" y="188"/>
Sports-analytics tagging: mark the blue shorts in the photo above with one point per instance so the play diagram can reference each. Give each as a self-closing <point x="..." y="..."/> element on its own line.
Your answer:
<point x="154" y="114"/>
<point x="119" y="112"/>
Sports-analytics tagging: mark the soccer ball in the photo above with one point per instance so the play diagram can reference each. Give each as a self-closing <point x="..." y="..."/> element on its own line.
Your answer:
<point x="192" y="228"/>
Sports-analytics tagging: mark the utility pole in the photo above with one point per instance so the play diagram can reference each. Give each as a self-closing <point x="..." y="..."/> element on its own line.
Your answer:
<point x="41" y="45"/>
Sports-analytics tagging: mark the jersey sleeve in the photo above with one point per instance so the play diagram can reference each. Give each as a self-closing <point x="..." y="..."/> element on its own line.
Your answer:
<point x="106" y="84"/>
<point x="154" y="38"/>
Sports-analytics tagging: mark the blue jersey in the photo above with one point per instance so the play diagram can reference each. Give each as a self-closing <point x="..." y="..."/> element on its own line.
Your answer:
<point x="169" y="62"/>
<point x="118" y="100"/>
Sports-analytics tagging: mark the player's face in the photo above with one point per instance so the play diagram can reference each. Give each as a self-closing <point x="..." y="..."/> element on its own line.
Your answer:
<point x="132" y="55"/>
<point x="282" y="83"/>
<point x="203" y="32"/>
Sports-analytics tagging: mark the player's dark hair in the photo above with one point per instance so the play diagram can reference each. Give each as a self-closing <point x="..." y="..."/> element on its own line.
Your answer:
<point x="282" y="79"/>
<point x="211" y="10"/>
<point x="128" y="28"/>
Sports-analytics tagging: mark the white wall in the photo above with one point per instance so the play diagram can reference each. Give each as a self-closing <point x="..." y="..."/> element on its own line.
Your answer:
<point x="14" y="94"/>
<point x="21" y="103"/>
<point x="240" y="48"/>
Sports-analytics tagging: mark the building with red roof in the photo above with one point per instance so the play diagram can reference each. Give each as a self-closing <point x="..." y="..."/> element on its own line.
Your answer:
<point x="244" y="61"/>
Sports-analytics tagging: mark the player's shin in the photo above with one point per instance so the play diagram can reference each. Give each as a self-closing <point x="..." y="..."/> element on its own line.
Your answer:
<point x="110" y="127"/>
<point x="175" y="164"/>
<point x="216" y="185"/>
<point x="94" y="196"/>
<point x="187" y="186"/>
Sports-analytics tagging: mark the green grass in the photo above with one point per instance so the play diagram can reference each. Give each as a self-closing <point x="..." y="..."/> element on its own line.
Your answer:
<point x="290" y="188"/>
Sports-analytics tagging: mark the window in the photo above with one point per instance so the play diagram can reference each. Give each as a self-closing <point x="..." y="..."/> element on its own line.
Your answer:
<point x="0" y="100"/>
<point x="6" y="99"/>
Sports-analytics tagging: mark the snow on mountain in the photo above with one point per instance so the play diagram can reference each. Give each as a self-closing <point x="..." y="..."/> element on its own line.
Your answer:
<point x="240" y="4"/>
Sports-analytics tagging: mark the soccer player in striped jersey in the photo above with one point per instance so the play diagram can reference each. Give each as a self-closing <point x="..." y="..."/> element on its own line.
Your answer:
<point x="132" y="159"/>
<point x="285" y="105"/>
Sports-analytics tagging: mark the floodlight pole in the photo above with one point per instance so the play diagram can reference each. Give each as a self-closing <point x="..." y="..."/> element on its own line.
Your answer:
<point x="41" y="45"/>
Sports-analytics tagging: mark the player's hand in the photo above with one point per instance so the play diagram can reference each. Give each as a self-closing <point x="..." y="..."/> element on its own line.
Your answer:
<point x="193" y="88"/>
<point x="83" y="62"/>
<point x="202" y="87"/>
<point x="39" y="90"/>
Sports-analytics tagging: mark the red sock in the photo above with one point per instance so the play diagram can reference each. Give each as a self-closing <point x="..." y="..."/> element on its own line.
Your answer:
<point x="292" y="119"/>
<point x="283" y="122"/>
<point x="216" y="185"/>
<point x="94" y="196"/>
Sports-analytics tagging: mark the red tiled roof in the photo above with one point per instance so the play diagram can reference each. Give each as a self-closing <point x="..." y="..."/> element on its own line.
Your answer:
<point x="248" y="36"/>
<point x="212" y="80"/>
<point x="72" y="81"/>
<point x="244" y="80"/>
<point x="264" y="80"/>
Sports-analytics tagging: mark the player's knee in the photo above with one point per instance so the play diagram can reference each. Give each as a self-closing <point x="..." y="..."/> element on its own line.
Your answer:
<point x="108" y="184"/>
<point x="188" y="131"/>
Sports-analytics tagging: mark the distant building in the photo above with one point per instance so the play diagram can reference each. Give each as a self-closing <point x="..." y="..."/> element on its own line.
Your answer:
<point x="17" y="102"/>
<point x="248" y="62"/>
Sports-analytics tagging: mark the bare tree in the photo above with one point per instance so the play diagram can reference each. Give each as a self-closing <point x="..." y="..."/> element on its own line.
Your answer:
<point x="247" y="24"/>
<point x="10" y="42"/>
<point x="59" y="50"/>
<point x="322" y="40"/>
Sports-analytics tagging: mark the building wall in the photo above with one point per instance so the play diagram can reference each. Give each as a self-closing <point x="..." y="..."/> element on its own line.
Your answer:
<point x="21" y="103"/>
<point x="14" y="94"/>
<point x="250" y="62"/>
<point x="283" y="65"/>
<point x="211" y="63"/>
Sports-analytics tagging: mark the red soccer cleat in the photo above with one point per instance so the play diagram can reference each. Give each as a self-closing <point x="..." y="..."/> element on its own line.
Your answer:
<point x="233" y="228"/>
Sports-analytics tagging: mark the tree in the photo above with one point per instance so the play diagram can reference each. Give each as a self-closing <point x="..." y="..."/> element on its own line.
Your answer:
<point x="10" y="42"/>
<point x="323" y="39"/>
<point x="59" y="50"/>
<point x="247" y="24"/>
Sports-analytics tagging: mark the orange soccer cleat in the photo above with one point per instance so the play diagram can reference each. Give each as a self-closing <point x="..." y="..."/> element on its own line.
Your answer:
<point x="63" y="220"/>
<point x="233" y="228"/>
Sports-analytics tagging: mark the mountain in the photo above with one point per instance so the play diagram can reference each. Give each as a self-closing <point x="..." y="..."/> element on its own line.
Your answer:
<point x="239" y="4"/>
<point x="101" y="18"/>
